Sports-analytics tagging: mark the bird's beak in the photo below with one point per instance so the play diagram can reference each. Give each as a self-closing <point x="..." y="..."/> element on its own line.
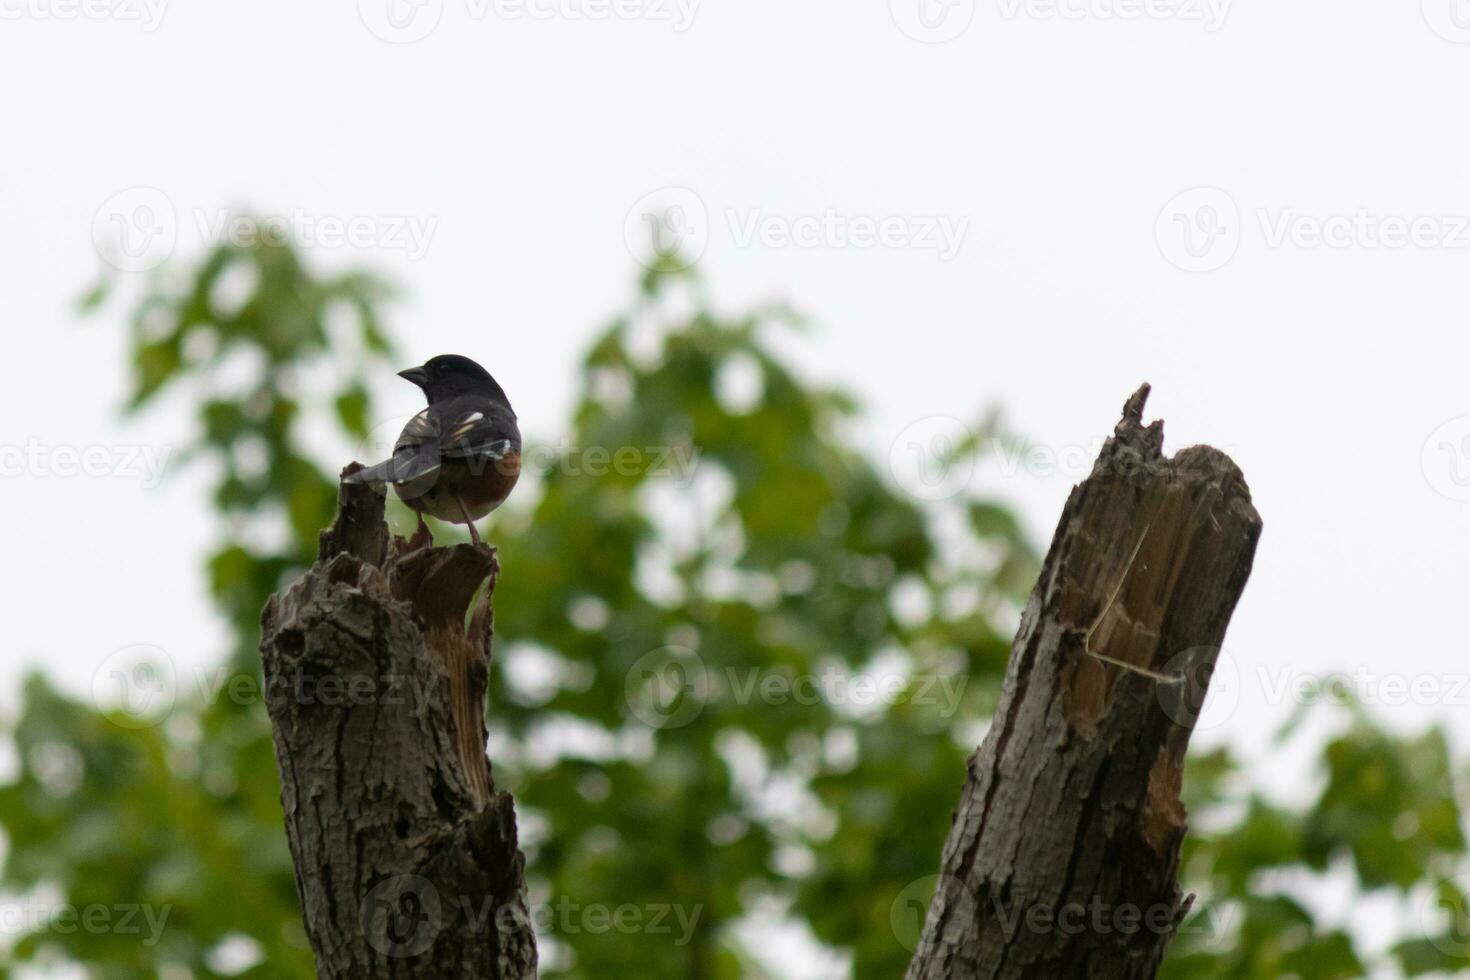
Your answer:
<point x="416" y="374"/>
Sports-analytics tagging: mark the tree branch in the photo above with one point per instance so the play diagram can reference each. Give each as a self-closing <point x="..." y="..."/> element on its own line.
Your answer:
<point x="407" y="863"/>
<point x="1064" y="854"/>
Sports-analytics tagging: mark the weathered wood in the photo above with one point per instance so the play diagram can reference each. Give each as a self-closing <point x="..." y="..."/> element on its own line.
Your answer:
<point x="1063" y="857"/>
<point x="407" y="863"/>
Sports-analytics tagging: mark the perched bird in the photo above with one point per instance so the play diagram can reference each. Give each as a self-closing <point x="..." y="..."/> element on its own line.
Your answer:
<point x="458" y="459"/>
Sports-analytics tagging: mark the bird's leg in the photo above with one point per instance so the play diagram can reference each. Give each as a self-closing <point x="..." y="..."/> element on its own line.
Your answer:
<point x="474" y="535"/>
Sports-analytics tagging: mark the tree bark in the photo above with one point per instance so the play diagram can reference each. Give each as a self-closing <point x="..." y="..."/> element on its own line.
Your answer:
<point x="1063" y="857"/>
<point x="407" y="863"/>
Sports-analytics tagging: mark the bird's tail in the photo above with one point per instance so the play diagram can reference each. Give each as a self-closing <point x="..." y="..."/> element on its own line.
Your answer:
<point x="399" y="469"/>
<point x="379" y="474"/>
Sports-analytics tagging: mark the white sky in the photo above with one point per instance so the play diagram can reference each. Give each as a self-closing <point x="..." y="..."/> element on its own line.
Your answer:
<point x="1059" y="142"/>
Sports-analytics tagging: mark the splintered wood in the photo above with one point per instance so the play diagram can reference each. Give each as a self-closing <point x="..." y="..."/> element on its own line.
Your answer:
<point x="1072" y="801"/>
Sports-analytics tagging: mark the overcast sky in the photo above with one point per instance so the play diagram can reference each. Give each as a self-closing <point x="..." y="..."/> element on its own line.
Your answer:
<point x="1263" y="209"/>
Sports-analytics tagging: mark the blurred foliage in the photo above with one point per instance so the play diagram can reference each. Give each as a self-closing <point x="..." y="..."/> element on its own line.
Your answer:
<point x="1383" y="827"/>
<point x="698" y="580"/>
<point x="781" y="561"/>
<point x="186" y="815"/>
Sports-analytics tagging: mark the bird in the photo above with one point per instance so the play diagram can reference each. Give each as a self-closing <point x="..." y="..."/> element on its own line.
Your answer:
<point x="458" y="459"/>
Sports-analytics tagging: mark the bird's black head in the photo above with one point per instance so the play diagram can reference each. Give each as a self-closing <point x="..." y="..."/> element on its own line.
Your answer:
<point x="449" y="375"/>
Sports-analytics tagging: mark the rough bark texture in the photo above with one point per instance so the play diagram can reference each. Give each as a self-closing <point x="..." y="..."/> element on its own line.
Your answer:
<point x="1063" y="858"/>
<point x="406" y="857"/>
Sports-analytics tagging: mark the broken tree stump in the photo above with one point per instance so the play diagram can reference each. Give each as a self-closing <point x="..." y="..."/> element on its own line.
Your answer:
<point x="407" y="862"/>
<point x="1063" y="857"/>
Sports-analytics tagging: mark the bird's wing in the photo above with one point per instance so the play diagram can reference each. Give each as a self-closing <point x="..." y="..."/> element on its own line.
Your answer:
<point x="415" y="454"/>
<point x="480" y="436"/>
